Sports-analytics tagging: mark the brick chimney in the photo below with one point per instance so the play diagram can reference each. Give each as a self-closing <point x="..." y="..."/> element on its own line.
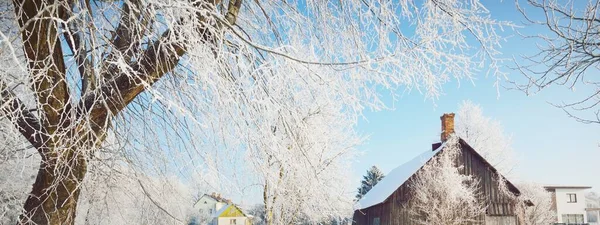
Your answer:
<point x="447" y="125"/>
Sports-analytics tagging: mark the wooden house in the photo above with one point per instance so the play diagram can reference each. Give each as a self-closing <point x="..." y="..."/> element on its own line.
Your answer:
<point x="385" y="203"/>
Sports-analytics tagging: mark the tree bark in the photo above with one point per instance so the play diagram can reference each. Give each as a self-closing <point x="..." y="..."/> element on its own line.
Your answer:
<point x="53" y="199"/>
<point x="268" y="210"/>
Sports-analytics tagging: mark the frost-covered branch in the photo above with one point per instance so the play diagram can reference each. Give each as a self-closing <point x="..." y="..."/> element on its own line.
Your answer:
<point x="25" y="122"/>
<point x="568" y="56"/>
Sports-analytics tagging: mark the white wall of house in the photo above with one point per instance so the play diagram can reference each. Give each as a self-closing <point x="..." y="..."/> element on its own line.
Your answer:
<point x="205" y="208"/>
<point x="230" y="221"/>
<point x="205" y="205"/>
<point x="564" y="205"/>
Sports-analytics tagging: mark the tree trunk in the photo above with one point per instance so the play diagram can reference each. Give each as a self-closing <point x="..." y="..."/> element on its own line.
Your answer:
<point x="53" y="199"/>
<point x="268" y="210"/>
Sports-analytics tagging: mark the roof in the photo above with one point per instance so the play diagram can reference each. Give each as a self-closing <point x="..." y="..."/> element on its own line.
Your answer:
<point x="230" y="207"/>
<point x="211" y="197"/>
<point x="553" y="187"/>
<point x="398" y="176"/>
<point x="511" y="187"/>
<point x="395" y="179"/>
<point x="217" y="198"/>
<point x="221" y="210"/>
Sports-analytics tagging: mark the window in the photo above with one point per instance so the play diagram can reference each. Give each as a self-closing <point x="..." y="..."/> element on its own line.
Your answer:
<point x="376" y="221"/>
<point x="232" y="221"/>
<point x="572" y="198"/>
<point x="572" y="218"/>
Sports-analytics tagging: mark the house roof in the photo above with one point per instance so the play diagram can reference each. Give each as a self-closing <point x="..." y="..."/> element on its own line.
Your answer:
<point x="395" y="178"/>
<point x="233" y="207"/>
<point x="214" y="197"/>
<point x="221" y="210"/>
<point x="211" y="197"/>
<point x="398" y="176"/>
<point x="554" y="187"/>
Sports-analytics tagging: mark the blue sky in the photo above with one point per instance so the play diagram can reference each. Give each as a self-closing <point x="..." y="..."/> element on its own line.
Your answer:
<point x="551" y="148"/>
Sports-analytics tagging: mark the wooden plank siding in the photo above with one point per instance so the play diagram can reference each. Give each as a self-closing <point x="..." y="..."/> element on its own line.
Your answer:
<point x="393" y="210"/>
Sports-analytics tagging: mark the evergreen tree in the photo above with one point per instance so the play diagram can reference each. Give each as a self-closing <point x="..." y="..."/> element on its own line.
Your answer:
<point x="374" y="175"/>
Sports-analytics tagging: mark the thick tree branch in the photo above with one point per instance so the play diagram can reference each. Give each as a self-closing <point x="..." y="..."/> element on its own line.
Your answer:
<point x="156" y="61"/>
<point x="160" y="58"/>
<point x="27" y="123"/>
<point x="42" y="46"/>
<point x="233" y="10"/>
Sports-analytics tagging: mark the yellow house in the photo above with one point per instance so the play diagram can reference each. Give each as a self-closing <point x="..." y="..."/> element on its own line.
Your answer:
<point x="231" y="215"/>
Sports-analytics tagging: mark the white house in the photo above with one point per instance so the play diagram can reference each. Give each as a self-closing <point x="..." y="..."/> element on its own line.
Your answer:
<point x="569" y="203"/>
<point x="215" y="210"/>
<point x="207" y="205"/>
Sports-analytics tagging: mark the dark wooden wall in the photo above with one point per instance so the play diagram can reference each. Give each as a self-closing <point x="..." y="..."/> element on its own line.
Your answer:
<point x="392" y="211"/>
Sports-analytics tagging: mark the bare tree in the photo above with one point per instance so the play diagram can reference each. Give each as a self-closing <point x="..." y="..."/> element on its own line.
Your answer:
<point x="540" y="210"/>
<point x="312" y="170"/>
<point x="183" y="83"/>
<point x="568" y="54"/>
<point x="441" y="194"/>
<point x="486" y="136"/>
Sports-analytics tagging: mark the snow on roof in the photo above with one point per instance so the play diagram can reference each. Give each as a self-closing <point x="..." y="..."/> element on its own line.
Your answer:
<point x="395" y="179"/>
<point x="221" y="210"/>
